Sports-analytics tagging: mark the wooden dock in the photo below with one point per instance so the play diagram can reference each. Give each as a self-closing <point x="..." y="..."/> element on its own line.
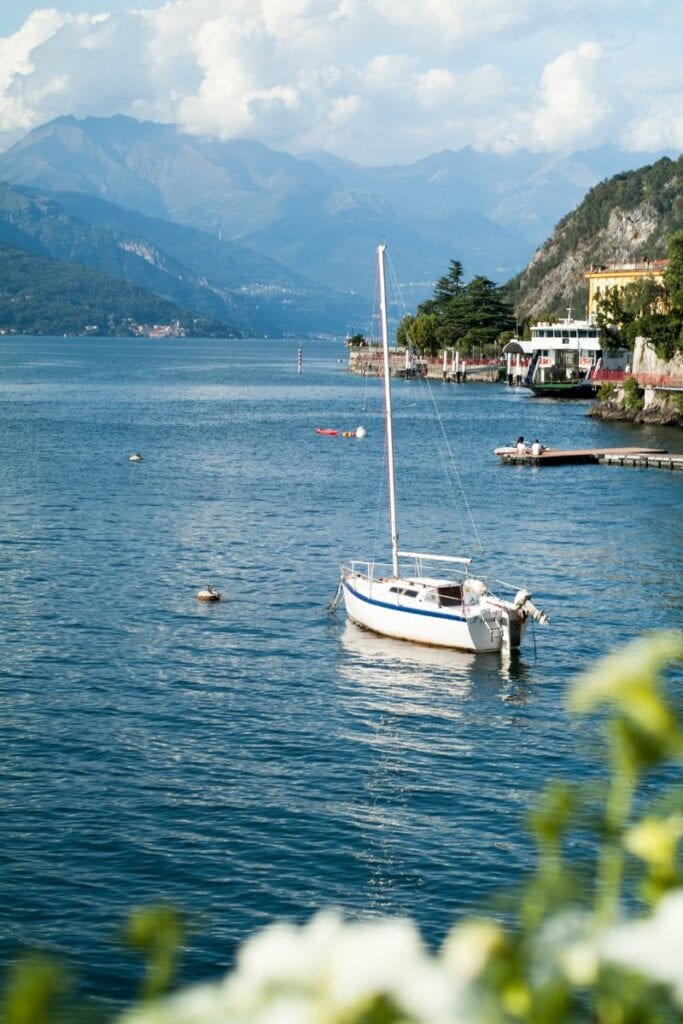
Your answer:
<point x="645" y="457"/>
<point x="663" y="460"/>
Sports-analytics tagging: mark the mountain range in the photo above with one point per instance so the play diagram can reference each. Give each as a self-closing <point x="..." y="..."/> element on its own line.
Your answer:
<point x="268" y="242"/>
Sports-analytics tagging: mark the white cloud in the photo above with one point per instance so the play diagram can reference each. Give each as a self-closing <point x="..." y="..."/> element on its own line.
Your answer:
<point x="574" y="106"/>
<point x="655" y="99"/>
<point x="457" y="20"/>
<point x="376" y="80"/>
<point x="662" y="129"/>
<point x="16" y="65"/>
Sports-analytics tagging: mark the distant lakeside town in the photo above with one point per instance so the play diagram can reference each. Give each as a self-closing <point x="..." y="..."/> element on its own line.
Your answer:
<point x="136" y="330"/>
<point x="626" y="353"/>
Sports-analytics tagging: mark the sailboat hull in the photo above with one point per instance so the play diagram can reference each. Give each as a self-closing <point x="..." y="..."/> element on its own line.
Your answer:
<point x="376" y="605"/>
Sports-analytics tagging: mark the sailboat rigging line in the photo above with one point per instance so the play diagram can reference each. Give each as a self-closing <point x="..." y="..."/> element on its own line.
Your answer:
<point x="333" y="605"/>
<point x="450" y="467"/>
<point x="370" y="326"/>
<point x="380" y="503"/>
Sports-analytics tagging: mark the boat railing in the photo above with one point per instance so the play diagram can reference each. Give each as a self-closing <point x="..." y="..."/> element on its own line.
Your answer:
<point x="383" y="570"/>
<point x="494" y="584"/>
<point x="370" y="569"/>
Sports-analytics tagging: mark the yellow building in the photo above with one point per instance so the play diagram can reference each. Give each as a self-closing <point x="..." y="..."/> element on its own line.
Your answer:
<point x="618" y="275"/>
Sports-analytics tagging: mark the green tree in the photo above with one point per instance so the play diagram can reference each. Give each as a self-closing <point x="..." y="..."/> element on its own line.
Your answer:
<point x="673" y="276"/>
<point x="451" y="285"/>
<point x="637" y="310"/>
<point x="445" y="290"/>
<point x="419" y="332"/>
<point x="467" y="316"/>
<point x="404" y="331"/>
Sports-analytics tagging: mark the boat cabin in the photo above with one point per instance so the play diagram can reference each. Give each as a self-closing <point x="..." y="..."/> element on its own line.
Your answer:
<point x="442" y="593"/>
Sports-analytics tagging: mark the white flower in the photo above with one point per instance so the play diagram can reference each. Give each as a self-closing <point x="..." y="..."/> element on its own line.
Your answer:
<point x="569" y="943"/>
<point x="469" y="947"/>
<point x="428" y="993"/>
<point x="372" y="957"/>
<point x="289" y="954"/>
<point x="325" y="971"/>
<point x="652" y="947"/>
<point x="201" y="1004"/>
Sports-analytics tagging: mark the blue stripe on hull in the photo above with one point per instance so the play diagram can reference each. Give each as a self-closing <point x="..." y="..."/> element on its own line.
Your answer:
<point x="399" y="608"/>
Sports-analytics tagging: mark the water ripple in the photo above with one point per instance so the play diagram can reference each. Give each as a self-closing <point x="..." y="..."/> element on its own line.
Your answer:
<point x="254" y="759"/>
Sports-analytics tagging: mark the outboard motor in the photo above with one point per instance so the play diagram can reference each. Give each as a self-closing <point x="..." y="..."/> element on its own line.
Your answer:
<point x="525" y="607"/>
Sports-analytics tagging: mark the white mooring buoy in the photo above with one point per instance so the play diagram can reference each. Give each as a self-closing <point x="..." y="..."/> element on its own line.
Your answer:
<point x="209" y="594"/>
<point x="135" y="457"/>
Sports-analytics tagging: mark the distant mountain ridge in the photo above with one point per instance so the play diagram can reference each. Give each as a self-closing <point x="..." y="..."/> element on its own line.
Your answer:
<point x="320" y="217"/>
<point x="621" y="220"/>
<point x="191" y="270"/>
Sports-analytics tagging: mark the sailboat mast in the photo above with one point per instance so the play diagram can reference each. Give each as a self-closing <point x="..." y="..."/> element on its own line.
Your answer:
<point x="388" y="423"/>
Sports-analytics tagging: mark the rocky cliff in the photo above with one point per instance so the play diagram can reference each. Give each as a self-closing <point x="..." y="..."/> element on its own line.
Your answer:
<point x="622" y="219"/>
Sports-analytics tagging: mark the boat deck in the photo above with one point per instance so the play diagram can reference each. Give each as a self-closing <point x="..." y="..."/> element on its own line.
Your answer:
<point x="611" y="456"/>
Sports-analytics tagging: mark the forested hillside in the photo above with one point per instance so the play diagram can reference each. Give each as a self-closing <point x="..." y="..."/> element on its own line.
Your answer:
<point x="44" y="296"/>
<point x="625" y="218"/>
<point x="195" y="271"/>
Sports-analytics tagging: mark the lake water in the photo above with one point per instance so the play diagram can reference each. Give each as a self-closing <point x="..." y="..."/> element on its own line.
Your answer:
<point x="258" y="759"/>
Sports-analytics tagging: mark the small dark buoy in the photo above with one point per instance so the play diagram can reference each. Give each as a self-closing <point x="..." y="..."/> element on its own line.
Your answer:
<point x="135" y="457"/>
<point x="209" y="594"/>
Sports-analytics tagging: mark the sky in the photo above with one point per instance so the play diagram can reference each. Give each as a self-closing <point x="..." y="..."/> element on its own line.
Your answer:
<point x="374" y="81"/>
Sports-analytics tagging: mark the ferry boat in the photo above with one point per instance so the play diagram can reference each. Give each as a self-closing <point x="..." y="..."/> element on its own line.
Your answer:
<point x="564" y="358"/>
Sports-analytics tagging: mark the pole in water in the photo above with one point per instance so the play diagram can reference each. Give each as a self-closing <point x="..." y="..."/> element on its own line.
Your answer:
<point x="299" y="359"/>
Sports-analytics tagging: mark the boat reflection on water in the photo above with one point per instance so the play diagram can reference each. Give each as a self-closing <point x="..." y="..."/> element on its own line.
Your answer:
<point x="420" y="663"/>
<point x="416" y="717"/>
<point x="380" y="662"/>
<point x="398" y="678"/>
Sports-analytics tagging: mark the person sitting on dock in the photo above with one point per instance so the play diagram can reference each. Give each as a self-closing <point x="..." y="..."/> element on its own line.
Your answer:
<point x="537" y="447"/>
<point x="521" y="446"/>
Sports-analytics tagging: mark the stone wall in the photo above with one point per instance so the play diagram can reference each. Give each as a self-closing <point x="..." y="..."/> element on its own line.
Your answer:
<point x="661" y="407"/>
<point x="646" y="361"/>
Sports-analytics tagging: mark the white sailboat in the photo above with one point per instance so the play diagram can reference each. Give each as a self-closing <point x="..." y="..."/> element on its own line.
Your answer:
<point x="436" y="601"/>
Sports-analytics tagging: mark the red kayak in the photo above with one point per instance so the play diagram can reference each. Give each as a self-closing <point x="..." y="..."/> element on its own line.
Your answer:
<point x="330" y="433"/>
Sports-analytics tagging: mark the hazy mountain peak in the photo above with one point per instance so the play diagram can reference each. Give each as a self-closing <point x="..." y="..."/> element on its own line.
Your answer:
<point x="320" y="215"/>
